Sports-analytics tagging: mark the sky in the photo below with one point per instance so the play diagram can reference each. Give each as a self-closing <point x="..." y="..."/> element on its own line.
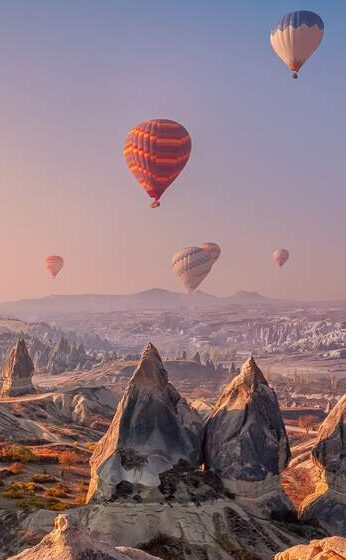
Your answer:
<point x="267" y="168"/>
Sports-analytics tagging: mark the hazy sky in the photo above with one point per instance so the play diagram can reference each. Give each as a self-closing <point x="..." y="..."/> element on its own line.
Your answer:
<point x="268" y="163"/>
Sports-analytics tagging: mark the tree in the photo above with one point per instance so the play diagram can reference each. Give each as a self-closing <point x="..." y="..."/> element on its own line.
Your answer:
<point x="67" y="459"/>
<point x="307" y="422"/>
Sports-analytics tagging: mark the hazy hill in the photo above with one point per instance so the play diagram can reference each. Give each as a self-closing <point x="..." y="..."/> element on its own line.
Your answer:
<point x="58" y="305"/>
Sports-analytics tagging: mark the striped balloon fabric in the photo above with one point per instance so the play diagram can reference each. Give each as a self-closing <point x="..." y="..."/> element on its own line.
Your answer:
<point x="54" y="264"/>
<point x="193" y="264"/>
<point x="156" y="151"/>
<point x="296" y="36"/>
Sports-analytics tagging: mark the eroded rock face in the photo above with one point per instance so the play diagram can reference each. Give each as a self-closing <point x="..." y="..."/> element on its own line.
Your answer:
<point x="69" y="541"/>
<point x="333" y="548"/>
<point x="246" y="444"/>
<point x="17" y="373"/>
<point x="153" y="431"/>
<point x="327" y="506"/>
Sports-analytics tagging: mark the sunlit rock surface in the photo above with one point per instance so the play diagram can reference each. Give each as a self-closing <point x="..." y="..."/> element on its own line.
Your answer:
<point x="327" y="506"/>
<point x="17" y="372"/>
<point x="333" y="548"/>
<point x="70" y="541"/>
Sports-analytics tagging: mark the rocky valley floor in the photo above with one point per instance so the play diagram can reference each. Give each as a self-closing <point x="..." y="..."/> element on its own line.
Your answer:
<point x="138" y="464"/>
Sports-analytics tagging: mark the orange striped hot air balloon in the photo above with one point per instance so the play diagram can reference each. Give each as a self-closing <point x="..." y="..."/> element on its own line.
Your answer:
<point x="156" y="151"/>
<point x="54" y="264"/>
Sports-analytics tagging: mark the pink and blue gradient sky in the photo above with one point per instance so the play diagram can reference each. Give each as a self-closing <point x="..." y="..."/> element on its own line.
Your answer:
<point x="268" y="162"/>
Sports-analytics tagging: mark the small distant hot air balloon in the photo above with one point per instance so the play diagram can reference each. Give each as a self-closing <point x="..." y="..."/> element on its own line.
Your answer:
<point x="156" y="151"/>
<point x="193" y="264"/>
<point x="54" y="264"/>
<point x="280" y="256"/>
<point x="295" y="37"/>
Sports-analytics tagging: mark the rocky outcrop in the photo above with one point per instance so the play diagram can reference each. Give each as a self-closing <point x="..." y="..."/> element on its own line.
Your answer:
<point x="245" y="443"/>
<point x="153" y="431"/>
<point x="333" y="548"/>
<point x="66" y="357"/>
<point x="327" y="506"/>
<point x="215" y="530"/>
<point x="69" y="541"/>
<point x="81" y="406"/>
<point x="197" y="358"/>
<point x="17" y="373"/>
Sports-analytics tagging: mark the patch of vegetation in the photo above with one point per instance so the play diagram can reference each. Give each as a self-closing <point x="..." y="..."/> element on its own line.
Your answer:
<point x="17" y="453"/>
<point x="31" y="502"/>
<point x="124" y="490"/>
<point x="56" y="505"/>
<point x="131" y="460"/>
<point x="200" y="485"/>
<point x="43" y="478"/>
<point x="16" y="490"/>
<point x="58" y="491"/>
<point x="170" y="548"/>
<point x="4" y="473"/>
<point x="17" y="468"/>
<point x="68" y="458"/>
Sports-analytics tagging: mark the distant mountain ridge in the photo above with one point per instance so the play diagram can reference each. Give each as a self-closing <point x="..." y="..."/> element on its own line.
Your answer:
<point x="156" y="298"/>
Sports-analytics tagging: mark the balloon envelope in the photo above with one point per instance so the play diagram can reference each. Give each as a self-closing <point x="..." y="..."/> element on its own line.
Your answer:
<point x="156" y="151"/>
<point x="193" y="264"/>
<point x="54" y="264"/>
<point x="213" y="250"/>
<point x="280" y="256"/>
<point x="296" y="36"/>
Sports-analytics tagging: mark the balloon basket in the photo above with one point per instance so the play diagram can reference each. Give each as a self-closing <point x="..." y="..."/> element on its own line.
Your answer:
<point x="155" y="204"/>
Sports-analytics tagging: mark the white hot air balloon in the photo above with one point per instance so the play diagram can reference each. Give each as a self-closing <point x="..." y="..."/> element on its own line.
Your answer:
<point x="280" y="256"/>
<point x="193" y="264"/>
<point x="295" y="37"/>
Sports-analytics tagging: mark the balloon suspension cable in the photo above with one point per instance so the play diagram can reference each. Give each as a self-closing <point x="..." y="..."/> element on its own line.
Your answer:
<point x="155" y="204"/>
<point x="295" y="75"/>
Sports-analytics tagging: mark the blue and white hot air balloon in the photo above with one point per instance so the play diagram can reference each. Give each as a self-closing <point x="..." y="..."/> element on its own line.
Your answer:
<point x="295" y="37"/>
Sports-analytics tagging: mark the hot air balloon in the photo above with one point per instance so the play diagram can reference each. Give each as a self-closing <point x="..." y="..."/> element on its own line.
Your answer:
<point x="54" y="264"/>
<point x="295" y="37"/>
<point x="280" y="256"/>
<point x="213" y="250"/>
<point x="156" y="151"/>
<point x="193" y="264"/>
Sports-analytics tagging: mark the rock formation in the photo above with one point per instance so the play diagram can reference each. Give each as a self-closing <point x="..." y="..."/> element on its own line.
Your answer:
<point x="69" y="541"/>
<point x="17" y="373"/>
<point x="328" y="505"/>
<point x="197" y="358"/>
<point x="245" y="443"/>
<point x="64" y="357"/>
<point x="153" y="431"/>
<point x="333" y="548"/>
